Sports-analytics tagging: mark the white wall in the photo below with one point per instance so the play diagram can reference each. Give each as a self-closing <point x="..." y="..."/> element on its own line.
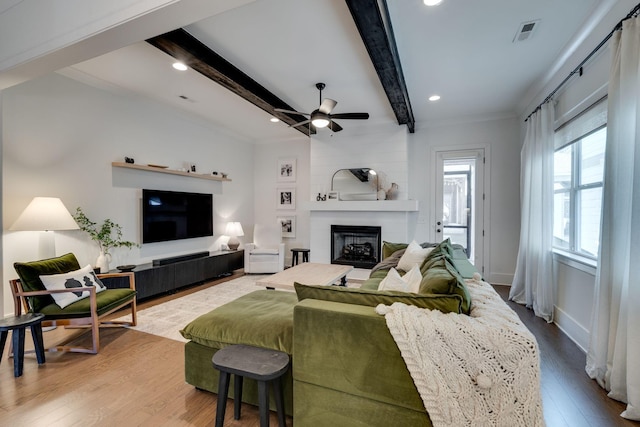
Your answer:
<point x="59" y="139"/>
<point x="265" y="171"/>
<point x="501" y="136"/>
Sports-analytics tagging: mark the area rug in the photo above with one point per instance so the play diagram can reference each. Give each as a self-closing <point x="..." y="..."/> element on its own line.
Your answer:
<point x="168" y="318"/>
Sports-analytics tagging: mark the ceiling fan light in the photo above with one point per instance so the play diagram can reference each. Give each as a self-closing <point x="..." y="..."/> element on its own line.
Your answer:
<point x="320" y="122"/>
<point x="432" y="2"/>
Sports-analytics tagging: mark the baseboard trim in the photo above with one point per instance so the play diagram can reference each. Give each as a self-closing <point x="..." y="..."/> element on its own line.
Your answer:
<point x="571" y="328"/>
<point x="500" y="279"/>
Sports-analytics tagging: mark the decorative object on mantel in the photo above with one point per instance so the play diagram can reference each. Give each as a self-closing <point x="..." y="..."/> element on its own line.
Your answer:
<point x="126" y="268"/>
<point x="321" y="198"/>
<point x="108" y="236"/>
<point x="392" y="192"/>
<point x="129" y="160"/>
<point x="333" y="195"/>
<point x="234" y="230"/>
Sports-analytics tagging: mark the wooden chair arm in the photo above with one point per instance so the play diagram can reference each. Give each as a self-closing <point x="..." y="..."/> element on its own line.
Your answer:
<point x="20" y="294"/>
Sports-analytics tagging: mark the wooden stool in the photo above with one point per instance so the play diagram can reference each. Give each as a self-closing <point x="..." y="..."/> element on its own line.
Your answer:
<point x="261" y="364"/>
<point x="18" y="324"/>
<point x="296" y="251"/>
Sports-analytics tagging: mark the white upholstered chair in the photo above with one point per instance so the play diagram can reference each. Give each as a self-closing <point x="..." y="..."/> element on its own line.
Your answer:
<point x="266" y="253"/>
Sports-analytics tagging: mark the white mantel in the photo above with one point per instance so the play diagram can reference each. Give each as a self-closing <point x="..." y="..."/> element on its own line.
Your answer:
<point x="363" y="206"/>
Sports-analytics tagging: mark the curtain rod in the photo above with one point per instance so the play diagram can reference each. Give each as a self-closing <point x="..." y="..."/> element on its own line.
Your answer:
<point x="578" y="69"/>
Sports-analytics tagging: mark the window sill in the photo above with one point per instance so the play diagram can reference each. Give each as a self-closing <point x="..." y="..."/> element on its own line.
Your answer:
<point x="576" y="261"/>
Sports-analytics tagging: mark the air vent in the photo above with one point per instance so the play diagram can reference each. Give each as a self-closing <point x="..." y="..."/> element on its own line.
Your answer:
<point x="525" y="31"/>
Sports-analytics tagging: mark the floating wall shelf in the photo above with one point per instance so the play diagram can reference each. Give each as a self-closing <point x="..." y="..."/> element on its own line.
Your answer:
<point x="167" y="171"/>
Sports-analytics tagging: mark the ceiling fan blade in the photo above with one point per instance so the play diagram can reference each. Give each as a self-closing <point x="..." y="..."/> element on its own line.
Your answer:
<point x="280" y="110"/>
<point x="334" y="126"/>
<point x="300" y="123"/>
<point x="327" y="105"/>
<point x="353" y="116"/>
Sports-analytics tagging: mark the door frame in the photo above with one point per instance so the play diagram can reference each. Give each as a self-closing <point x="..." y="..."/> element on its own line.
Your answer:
<point x="436" y="151"/>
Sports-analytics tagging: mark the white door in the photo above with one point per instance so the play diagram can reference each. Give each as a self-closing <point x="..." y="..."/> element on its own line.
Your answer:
<point x="459" y="207"/>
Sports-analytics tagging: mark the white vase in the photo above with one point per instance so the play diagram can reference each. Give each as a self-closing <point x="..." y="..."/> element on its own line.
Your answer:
<point x="103" y="262"/>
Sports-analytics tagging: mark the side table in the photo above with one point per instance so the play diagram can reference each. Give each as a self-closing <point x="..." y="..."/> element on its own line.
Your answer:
<point x="18" y="324"/>
<point x="294" y="255"/>
<point x="261" y="364"/>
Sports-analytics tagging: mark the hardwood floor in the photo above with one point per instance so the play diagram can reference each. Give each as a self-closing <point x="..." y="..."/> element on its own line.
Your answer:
<point x="570" y="398"/>
<point x="137" y="379"/>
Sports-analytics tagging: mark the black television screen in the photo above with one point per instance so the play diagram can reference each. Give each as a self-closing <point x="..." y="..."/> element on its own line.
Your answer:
<point x="172" y="215"/>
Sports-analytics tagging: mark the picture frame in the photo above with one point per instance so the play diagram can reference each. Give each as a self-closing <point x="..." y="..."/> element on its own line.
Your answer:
<point x="286" y="198"/>
<point x="288" y="224"/>
<point x="287" y="170"/>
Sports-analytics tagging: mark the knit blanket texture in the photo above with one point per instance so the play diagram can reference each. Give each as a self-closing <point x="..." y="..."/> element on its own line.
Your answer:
<point x="477" y="370"/>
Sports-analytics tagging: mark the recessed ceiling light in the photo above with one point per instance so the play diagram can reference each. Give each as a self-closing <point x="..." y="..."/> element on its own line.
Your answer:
<point x="274" y="120"/>
<point x="179" y="66"/>
<point x="434" y="97"/>
<point x="432" y="2"/>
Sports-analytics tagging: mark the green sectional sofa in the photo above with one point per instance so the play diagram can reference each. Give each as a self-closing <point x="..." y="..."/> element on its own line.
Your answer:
<point x="346" y="367"/>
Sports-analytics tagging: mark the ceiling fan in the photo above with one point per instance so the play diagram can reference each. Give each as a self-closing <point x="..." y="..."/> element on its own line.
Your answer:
<point x="322" y="117"/>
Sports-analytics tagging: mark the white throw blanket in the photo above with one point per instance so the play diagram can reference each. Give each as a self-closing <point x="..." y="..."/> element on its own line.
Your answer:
<point x="478" y="370"/>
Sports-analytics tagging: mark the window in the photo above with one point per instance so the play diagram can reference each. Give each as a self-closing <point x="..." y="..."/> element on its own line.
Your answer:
<point x="578" y="173"/>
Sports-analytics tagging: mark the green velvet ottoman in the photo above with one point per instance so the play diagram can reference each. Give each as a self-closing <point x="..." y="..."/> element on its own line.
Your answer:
<point x="262" y="318"/>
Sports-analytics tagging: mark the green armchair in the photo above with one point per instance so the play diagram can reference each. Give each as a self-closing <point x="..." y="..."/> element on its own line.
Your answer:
<point x="30" y="295"/>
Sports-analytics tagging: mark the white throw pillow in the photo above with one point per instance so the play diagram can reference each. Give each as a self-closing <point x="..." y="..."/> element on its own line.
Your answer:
<point x="413" y="255"/>
<point x="410" y="282"/>
<point x="80" y="279"/>
<point x="392" y="282"/>
<point x="413" y="278"/>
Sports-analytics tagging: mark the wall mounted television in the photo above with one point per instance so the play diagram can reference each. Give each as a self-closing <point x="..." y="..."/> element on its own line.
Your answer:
<point x="173" y="215"/>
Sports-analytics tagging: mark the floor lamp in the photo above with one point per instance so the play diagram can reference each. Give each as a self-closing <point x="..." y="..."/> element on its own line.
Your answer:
<point x="45" y="214"/>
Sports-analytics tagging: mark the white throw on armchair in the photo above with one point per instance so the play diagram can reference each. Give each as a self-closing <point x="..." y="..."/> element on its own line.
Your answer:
<point x="266" y="253"/>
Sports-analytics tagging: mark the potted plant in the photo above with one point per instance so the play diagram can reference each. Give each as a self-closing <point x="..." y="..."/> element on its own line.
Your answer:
<point x="108" y="236"/>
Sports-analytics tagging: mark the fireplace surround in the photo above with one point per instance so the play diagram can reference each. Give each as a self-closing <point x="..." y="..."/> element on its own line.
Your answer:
<point x="356" y="245"/>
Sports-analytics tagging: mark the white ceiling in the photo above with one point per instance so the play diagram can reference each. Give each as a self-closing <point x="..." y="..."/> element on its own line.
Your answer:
<point x="461" y="50"/>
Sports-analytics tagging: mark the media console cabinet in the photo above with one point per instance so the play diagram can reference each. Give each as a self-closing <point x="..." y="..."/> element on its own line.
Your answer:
<point x="169" y="274"/>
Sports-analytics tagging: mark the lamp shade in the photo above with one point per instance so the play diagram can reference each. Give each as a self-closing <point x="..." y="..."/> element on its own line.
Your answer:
<point x="234" y="229"/>
<point x="45" y="214"/>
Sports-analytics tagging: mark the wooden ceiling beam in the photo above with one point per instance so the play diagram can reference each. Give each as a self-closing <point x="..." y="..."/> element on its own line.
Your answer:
<point x="372" y="20"/>
<point x="195" y="54"/>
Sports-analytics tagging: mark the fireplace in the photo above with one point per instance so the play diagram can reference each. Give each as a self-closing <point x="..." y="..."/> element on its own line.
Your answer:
<point x="355" y="245"/>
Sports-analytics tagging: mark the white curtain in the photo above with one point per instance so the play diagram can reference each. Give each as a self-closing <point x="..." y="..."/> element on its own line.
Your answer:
<point x="613" y="358"/>
<point x="533" y="280"/>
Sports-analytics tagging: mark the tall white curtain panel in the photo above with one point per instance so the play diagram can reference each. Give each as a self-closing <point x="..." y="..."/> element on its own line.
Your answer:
<point x="533" y="280"/>
<point x="613" y="358"/>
